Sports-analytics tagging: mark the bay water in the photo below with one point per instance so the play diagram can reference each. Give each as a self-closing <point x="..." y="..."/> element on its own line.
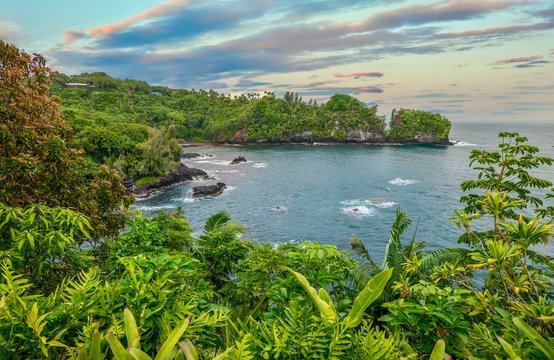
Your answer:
<point x="327" y="193"/>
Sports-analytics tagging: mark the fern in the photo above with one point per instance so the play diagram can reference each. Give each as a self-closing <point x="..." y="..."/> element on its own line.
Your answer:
<point x="374" y="344"/>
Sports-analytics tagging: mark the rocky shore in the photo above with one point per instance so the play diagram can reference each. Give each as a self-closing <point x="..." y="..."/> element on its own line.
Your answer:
<point x="208" y="190"/>
<point x="182" y="173"/>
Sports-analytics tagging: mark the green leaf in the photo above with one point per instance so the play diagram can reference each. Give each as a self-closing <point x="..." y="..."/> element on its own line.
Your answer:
<point x="535" y="337"/>
<point x="188" y="349"/>
<point x="373" y="289"/>
<point x="117" y="349"/>
<point x="438" y="351"/>
<point x="131" y="330"/>
<point x="172" y="340"/>
<point x="95" y="346"/>
<point x="508" y="348"/>
<point x="327" y="312"/>
<point x="138" y="354"/>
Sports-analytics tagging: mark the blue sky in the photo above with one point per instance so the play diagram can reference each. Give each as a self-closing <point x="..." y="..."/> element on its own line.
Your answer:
<point x="470" y="60"/>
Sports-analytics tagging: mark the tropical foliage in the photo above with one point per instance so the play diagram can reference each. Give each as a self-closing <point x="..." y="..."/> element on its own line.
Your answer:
<point x="160" y="290"/>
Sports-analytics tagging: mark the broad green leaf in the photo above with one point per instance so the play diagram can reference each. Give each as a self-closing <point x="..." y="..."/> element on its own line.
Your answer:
<point x="131" y="329"/>
<point x="438" y="350"/>
<point x="535" y="337"/>
<point x="117" y="349"/>
<point x="368" y="295"/>
<point x="95" y="346"/>
<point x="189" y="350"/>
<point x="138" y="354"/>
<point x="327" y="312"/>
<point x="172" y="340"/>
<point x="508" y="348"/>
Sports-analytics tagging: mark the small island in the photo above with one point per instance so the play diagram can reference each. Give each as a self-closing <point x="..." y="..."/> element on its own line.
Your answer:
<point x="137" y="127"/>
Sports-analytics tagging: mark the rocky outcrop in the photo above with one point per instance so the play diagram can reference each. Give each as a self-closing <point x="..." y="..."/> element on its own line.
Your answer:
<point x="208" y="190"/>
<point x="427" y="138"/>
<point x="190" y="155"/>
<point x="359" y="135"/>
<point x="238" y="160"/>
<point x="181" y="174"/>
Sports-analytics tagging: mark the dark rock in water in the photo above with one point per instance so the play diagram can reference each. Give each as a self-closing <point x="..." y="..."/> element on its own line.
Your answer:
<point x="182" y="173"/>
<point x="238" y="160"/>
<point x="208" y="190"/>
<point x="190" y="155"/>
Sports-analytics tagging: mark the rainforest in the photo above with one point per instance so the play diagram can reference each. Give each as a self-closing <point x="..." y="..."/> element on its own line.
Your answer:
<point x="85" y="277"/>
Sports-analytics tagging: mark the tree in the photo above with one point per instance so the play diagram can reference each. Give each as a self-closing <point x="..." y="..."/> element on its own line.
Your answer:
<point x="38" y="162"/>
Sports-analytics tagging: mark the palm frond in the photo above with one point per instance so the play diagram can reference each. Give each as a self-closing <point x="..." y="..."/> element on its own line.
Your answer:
<point x="393" y="250"/>
<point x="216" y="221"/>
<point x="443" y="255"/>
<point x="361" y="251"/>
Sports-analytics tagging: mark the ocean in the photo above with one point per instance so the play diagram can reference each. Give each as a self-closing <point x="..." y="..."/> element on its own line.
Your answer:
<point x="327" y="193"/>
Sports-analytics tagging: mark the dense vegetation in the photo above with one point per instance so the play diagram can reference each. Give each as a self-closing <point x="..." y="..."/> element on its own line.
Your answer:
<point x="158" y="289"/>
<point x="407" y="125"/>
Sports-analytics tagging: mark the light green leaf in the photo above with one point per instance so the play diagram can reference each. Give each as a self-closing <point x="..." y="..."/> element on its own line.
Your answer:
<point x="508" y="348"/>
<point x="131" y="329"/>
<point x="438" y="351"/>
<point x="327" y="312"/>
<point x="368" y="295"/>
<point x="172" y="340"/>
<point x="535" y="337"/>
<point x="117" y="349"/>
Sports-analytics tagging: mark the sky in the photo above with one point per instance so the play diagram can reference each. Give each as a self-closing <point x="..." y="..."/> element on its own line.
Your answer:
<point x="470" y="60"/>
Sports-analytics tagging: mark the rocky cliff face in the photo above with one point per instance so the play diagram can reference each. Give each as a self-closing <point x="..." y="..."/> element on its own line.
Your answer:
<point x="362" y="136"/>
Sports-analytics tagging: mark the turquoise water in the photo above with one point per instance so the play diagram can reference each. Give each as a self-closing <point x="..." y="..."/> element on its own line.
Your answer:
<point x="328" y="193"/>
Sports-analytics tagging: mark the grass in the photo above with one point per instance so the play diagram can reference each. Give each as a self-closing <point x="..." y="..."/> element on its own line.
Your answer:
<point x="146" y="180"/>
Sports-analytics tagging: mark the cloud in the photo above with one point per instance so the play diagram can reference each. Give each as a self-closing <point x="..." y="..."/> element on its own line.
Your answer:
<point x="162" y="9"/>
<point x="367" y="90"/>
<point x="360" y="74"/>
<point x="437" y="12"/>
<point x="494" y="31"/>
<point x="70" y="36"/>
<point x="516" y="60"/>
<point x="9" y="31"/>
<point x="532" y="64"/>
<point x="195" y="43"/>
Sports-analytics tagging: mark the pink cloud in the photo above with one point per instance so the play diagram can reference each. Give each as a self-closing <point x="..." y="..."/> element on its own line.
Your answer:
<point x="70" y="36"/>
<point x="370" y="89"/>
<point x="361" y="74"/>
<point x="516" y="60"/>
<point x="162" y="9"/>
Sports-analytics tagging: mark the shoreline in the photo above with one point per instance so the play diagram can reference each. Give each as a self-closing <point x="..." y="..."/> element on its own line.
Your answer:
<point x="315" y="143"/>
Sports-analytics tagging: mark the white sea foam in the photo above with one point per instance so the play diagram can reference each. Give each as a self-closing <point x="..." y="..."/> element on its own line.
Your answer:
<point x="378" y="204"/>
<point x="463" y="143"/>
<point x="358" y="211"/>
<point x="225" y="171"/>
<point x="280" y="208"/>
<point x="260" y="165"/>
<point x="402" y="182"/>
<point x="213" y="162"/>
<point x="187" y="200"/>
<point x="154" y="208"/>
